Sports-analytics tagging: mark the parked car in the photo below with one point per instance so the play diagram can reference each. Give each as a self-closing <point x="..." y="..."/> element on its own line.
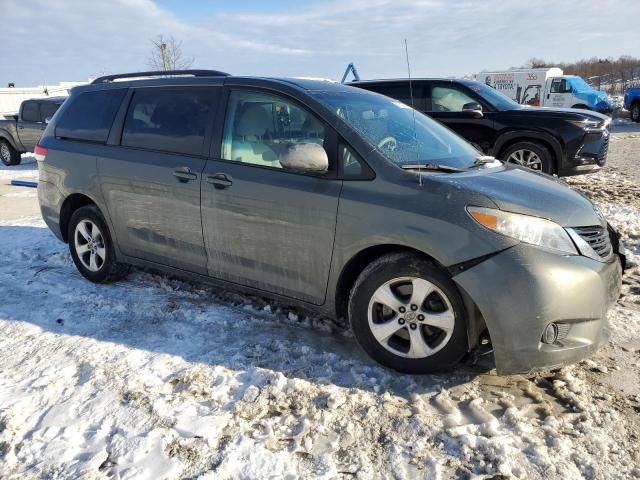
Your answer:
<point x="555" y="141"/>
<point x="334" y="199"/>
<point x="632" y="102"/>
<point x="546" y="87"/>
<point x="20" y="133"/>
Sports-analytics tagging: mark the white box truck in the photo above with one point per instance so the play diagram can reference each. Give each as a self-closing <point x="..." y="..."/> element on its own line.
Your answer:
<point x="546" y="87"/>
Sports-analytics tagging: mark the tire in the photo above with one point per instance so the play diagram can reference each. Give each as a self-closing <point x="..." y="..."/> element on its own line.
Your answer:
<point x="635" y="112"/>
<point x="88" y="229"/>
<point x="8" y="154"/>
<point x="580" y="106"/>
<point x="404" y="348"/>
<point x="530" y="154"/>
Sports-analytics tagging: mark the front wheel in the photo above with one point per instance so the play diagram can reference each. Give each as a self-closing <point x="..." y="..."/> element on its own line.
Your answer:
<point x="8" y="154"/>
<point x="531" y="155"/>
<point x="408" y="315"/>
<point x="91" y="246"/>
<point x="635" y="112"/>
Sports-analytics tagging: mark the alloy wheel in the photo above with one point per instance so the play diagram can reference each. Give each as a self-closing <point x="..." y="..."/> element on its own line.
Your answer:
<point x="89" y="244"/>
<point x="526" y="158"/>
<point x="411" y="317"/>
<point x="5" y="153"/>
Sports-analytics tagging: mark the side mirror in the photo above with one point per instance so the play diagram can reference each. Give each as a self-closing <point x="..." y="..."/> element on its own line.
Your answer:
<point x="47" y="120"/>
<point x="474" y="109"/>
<point x="305" y="157"/>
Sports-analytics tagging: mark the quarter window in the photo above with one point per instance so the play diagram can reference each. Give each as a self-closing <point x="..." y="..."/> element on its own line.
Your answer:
<point x="170" y="120"/>
<point x="31" y="112"/>
<point x="446" y="99"/>
<point x="89" y="116"/>
<point x="260" y="128"/>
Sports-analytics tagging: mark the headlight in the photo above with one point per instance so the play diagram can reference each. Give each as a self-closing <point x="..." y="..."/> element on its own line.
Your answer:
<point x="590" y="125"/>
<point x="525" y="228"/>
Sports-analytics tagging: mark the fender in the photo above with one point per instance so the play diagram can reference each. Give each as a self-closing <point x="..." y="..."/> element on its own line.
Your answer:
<point x="5" y="134"/>
<point x="509" y="136"/>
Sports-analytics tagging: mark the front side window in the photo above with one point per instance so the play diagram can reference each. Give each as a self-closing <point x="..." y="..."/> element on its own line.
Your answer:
<point x="89" y="115"/>
<point x="47" y="110"/>
<point x="557" y="85"/>
<point x="403" y="135"/>
<point x="31" y="112"/>
<point x="260" y="128"/>
<point x="447" y="99"/>
<point x="170" y="120"/>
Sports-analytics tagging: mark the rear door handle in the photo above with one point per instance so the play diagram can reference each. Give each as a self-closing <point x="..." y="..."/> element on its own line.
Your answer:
<point x="220" y="180"/>
<point x="184" y="174"/>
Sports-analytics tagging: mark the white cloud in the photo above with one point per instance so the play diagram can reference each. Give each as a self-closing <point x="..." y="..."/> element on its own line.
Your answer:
<point x="71" y="39"/>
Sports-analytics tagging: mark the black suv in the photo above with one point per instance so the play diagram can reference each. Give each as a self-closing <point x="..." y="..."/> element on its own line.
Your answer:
<point x="555" y="141"/>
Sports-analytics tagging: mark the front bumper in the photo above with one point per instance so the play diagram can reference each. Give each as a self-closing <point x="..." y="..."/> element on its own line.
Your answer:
<point x="592" y="154"/>
<point x="521" y="290"/>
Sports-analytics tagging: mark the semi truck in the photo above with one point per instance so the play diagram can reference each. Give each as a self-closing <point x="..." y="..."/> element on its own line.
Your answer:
<point x="546" y="87"/>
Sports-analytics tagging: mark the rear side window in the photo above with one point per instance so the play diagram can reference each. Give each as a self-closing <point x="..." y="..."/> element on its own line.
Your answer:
<point x="170" y="120"/>
<point x="402" y="92"/>
<point x="30" y="112"/>
<point x="90" y="115"/>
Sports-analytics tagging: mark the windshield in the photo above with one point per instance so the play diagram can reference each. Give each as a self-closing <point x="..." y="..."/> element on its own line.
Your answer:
<point x="388" y="125"/>
<point x="579" y="85"/>
<point x="492" y="96"/>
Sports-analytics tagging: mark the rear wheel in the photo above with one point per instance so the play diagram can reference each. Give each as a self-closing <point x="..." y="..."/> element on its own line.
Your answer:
<point x="531" y="155"/>
<point x="91" y="246"/>
<point x="408" y="315"/>
<point x="8" y="154"/>
<point x="635" y="112"/>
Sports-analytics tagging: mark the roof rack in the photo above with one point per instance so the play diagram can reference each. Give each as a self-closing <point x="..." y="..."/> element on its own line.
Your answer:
<point x="161" y="73"/>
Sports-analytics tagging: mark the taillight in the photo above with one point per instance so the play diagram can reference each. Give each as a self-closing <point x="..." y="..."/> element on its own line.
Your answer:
<point x="40" y="153"/>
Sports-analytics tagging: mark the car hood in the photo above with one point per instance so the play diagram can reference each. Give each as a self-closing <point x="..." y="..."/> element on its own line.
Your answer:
<point x="519" y="190"/>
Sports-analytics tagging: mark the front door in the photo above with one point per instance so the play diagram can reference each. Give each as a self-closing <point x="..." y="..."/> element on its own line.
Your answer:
<point x="446" y="106"/>
<point x="151" y="183"/>
<point x="266" y="227"/>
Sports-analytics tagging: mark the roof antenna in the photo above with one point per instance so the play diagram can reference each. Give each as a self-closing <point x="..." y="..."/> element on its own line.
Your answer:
<point x="413" y="112"/>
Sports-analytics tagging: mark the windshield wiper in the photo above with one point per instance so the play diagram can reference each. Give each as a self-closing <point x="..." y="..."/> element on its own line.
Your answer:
<point x="483" y="160"/>
<point x="433" y="167"/>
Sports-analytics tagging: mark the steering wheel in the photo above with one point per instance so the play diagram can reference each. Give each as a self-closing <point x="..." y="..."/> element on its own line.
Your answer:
<point x="389" y="143"/>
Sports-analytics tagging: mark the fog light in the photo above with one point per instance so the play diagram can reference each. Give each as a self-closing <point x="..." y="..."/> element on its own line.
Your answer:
<point x="550" y="334"/>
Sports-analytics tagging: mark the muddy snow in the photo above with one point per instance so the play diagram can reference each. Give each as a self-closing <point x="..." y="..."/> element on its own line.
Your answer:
<point x="153" y="377"/>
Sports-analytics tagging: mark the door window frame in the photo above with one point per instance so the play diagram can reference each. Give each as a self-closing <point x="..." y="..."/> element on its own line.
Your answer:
<point x="215" y="150"/>
<point x="117" y="128"/>
<point x="31" y="102"/>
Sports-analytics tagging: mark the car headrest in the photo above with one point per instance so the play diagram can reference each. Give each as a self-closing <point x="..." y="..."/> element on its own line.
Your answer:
<point x="254" y="121"/>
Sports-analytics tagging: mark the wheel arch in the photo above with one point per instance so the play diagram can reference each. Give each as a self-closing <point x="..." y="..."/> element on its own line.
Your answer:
<point x="72" y="203"/>
<point x="509" y="139"/>
<point x="5" y="135"/>
<point x="358" y="262"/>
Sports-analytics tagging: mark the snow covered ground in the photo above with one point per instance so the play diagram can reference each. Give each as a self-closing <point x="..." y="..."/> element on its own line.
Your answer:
<point x="153" y="377"/>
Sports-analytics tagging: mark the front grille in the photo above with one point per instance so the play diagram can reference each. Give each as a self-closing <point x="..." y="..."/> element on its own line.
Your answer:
<point x="604" y="149"/>
<point x="598" y="239"/>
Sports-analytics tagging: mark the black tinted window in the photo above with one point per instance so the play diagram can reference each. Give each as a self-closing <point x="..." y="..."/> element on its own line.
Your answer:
<point x="402" y="92"/>
<point x="30" y="112"/>
<point x="171" y="120"/>
<point x="47" y="110"/>
<point x="89" y="116"/>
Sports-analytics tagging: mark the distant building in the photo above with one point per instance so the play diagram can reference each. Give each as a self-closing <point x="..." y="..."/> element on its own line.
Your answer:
<point x="11" y="97"/>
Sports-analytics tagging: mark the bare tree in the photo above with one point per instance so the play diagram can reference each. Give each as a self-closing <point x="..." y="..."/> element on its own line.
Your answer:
<point x="167" y="54"/>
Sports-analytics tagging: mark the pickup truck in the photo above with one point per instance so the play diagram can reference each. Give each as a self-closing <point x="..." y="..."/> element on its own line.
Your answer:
<point x="632" y="102"/>
<point x="20" y="133"/>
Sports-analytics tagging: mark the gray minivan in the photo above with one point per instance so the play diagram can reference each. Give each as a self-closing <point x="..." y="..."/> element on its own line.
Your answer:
<point x="335" y="199"/>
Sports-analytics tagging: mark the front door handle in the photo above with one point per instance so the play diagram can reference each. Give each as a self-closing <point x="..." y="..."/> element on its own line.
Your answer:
<point x="220" y="180"/>
<point x="184" y="174"/>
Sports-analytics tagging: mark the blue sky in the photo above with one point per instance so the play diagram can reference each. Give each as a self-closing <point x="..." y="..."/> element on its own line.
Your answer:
<point x="65" y="40"/>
